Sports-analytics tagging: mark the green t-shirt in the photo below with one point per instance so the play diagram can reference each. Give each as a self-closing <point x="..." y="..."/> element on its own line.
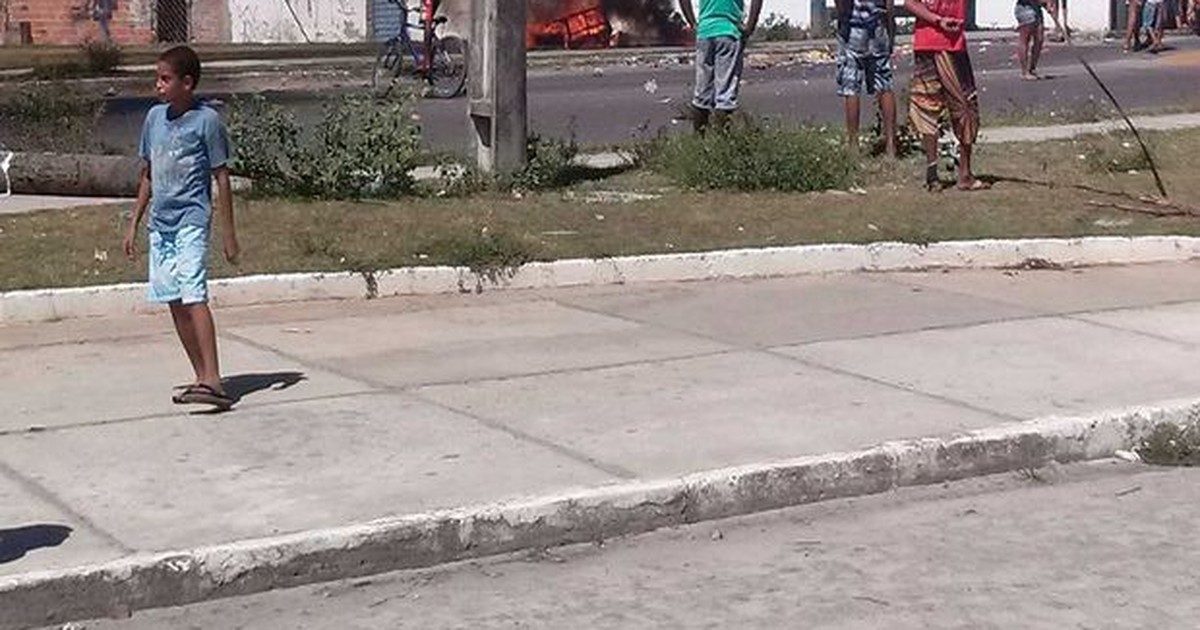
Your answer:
<point x="720" y="18"/>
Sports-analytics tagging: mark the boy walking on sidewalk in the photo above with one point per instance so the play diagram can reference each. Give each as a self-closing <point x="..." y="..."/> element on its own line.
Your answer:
<point x="720" y="44"/>
<point x="184" y="144"/>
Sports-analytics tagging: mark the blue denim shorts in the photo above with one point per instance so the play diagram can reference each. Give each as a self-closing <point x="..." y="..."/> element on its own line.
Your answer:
<point x="1028" y="15"/>
<point x="857" y="74"/>
<point x="179" y="266"/>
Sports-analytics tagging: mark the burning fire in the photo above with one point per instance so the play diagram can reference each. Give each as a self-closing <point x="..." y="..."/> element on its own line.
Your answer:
<point x="577" y="24"/>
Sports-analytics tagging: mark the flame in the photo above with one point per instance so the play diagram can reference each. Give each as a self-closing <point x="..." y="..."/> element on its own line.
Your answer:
<point x="603" y="23"/>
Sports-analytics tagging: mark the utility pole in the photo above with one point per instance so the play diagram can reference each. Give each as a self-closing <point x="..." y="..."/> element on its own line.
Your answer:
<point x="496" y="85"/>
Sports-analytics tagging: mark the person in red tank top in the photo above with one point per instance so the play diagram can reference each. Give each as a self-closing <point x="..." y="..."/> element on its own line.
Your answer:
<point x="943" y="80"/>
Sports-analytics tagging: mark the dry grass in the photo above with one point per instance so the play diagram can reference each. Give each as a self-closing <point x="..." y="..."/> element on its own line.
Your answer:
<point x="1042" y="189"/>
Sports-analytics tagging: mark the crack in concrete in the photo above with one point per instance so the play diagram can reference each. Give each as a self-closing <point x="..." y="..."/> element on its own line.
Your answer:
<point x="42" y="493"/>
<point x="563" y="450"/>
<point x="812" y="364"/>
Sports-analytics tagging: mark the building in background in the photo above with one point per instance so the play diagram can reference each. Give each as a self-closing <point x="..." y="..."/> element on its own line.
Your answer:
<point x="553" y="23"/>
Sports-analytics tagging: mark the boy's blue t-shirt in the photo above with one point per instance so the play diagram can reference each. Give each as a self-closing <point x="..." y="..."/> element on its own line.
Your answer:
<point x="182" y="153"/>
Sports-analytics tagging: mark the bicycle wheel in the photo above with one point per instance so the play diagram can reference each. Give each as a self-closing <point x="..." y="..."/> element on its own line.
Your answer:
<point x="387" y="70"/>
<point x="448" y="69"/>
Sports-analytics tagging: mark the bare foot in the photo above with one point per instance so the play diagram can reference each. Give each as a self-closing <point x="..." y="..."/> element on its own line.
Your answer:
<point x="972" y="185"/>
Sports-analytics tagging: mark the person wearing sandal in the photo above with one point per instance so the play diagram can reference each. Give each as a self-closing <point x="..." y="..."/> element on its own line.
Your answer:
<point x="943" y="80"/>
<point x="184" y="146"/>
<point x="1032" y="29"/>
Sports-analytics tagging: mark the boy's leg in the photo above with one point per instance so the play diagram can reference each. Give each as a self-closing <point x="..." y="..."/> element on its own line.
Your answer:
<point x="1133" y="21"/>
<point x="727" y="75"/>
<point x="194" y="309"/>
<point x="958" y="83"/>
<point x="1023" y="43"/>
<point x="187" y="336"/>
<point x="887" y="107"/>
<point x="704" y="95"/>
<point x="852" y="112"/>
<point x="849" y="86"/>
<point x="205" y="337"/>
<point x="926" y="104"/>
<point x="1039" y="41"/>
<point x="880" y="83"/>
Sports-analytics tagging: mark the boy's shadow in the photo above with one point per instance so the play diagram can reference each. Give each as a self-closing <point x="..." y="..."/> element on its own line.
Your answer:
<point x="241" y="385"/>
<point x="16" y="542"/>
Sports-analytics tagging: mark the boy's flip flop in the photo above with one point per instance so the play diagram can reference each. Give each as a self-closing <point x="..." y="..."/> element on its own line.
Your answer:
<point x="201" y="394"/>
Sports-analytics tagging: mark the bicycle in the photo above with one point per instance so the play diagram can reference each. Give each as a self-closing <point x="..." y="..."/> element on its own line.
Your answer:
<point x="444" y="70"/>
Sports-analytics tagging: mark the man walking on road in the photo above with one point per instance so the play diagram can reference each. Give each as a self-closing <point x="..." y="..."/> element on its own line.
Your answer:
<point x="721" y="33"/>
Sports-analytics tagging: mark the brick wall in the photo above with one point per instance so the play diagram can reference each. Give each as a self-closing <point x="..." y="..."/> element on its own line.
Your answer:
<point x="210" y="21"/>
<point x="61" y="22"/>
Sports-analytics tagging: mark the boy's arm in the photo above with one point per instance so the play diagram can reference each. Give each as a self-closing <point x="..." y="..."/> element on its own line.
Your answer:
<point x="921" y="12"/>
<point x="139" y="210"/>
<point x="689" y="15"/>
<point x="752" y="21"/>
<point x="225" y="212"/>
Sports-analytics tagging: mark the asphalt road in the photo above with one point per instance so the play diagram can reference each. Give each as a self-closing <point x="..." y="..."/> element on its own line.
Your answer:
<point x="626" y="102"/>
<point x="1104" y="545"/>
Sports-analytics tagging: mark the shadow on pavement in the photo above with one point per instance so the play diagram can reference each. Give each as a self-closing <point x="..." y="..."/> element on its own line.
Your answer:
<point x="241" y="385"/>
<point x="15" y="543"/>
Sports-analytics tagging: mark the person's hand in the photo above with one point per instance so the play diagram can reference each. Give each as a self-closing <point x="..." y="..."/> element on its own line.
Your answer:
<point x="949" y="24"/>
<point x="747" y="30"/>
<point x="129" y="244"/>
<point x="231" y="249"/>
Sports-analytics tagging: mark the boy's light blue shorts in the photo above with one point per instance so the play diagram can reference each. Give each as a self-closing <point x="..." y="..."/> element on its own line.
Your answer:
<point x="179" y="265"/>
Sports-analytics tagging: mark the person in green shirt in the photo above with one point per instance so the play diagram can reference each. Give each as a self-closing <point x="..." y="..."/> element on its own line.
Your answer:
<point x="721" y="32"/>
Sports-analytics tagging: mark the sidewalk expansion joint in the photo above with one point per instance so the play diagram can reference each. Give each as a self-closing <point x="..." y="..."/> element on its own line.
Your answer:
<point x="411" y="392"/>
<point x="41" y="493"/>
<point x="767" y="351"/>
<point x="38" y="429"/>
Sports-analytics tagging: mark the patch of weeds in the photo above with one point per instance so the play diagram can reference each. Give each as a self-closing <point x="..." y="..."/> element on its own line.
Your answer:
<point x="364" y="148"/>
<point x="491" y="256"/>
<point x="1171" y="444"/>
<point x="101" y="57"/>
<point x="51" y="117"/>
<point x="745" y="155"/>
<point x="550" y="164"/>
<point x="1115" y="154"/>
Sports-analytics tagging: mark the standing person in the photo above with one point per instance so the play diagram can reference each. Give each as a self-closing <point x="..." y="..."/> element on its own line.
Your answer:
<point x="103" y="13"/>
<point x="1133" y="24"/>
<point x="1032" y="29"/>
<point x="1058" y="13"/>
<point x="1154" y="19"/>
<point x="184" y="145"/>
<point x="721" y="38"/>
<point x="866" y="39"/>
<point x="943" y="80"/>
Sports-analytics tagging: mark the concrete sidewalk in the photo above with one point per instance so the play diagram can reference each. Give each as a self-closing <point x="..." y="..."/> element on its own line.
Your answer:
<point x="352" y="411"/>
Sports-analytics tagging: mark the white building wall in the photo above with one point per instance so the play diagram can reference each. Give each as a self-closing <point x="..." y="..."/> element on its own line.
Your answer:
<point x="1084" y="15"/>
<point x="271" y="21"/>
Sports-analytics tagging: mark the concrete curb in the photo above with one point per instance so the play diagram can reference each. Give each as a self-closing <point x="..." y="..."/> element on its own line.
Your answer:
<point x="123" y="299"/>
<point x="421" y="540"/>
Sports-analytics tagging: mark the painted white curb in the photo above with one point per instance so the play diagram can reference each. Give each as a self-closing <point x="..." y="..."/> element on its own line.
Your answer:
<point x="420" y="540"/>
<point x="122" y="299"/>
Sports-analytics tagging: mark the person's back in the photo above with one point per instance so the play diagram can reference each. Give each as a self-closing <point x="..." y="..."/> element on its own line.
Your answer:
<point x="720" y="33"/>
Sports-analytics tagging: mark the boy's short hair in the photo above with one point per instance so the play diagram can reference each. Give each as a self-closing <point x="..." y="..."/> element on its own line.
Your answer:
<point x="184" y="62"/>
